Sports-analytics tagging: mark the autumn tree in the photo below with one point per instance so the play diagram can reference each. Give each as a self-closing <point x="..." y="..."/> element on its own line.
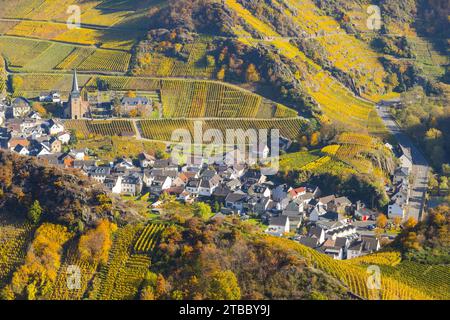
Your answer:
<point x="221" y="74"/>
<point x="382" y="221"/>
<point x="223" y="285"/>
<point x="94" y="246"/>
<point x="39" y="108"/>
<point x="202" y="210"/>
<point x="252" y="75"/>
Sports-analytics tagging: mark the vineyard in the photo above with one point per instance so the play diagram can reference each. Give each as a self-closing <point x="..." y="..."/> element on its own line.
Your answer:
<point x="104" y="128"/>
<point x="162" y="129"/>
<point x="149" y="238"/>
<point x="60" y="290"/>
<point x="336" y="102"/>
<point x="14" y="240"/>
<point x="431" y="279"/>
<point x="121" y="277"/>
<point x="355" y="276"/>
<point x="196" y="64"/>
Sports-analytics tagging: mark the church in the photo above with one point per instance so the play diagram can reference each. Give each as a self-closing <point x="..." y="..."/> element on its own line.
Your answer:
<point x="76" y="107"/>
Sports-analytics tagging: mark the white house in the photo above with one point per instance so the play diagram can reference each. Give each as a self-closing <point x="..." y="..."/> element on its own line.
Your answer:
<point x="54" y="128"/>
<point x="21" y="150"/>
<point x="208" y="185"/>
<point x="316" y="213"/>
<point x="146" y="160"/>
<point x="193" y="185"/>
<point x="396" y="209"/>
<point x="64" y="137"/>
<point x="279" y="226"/>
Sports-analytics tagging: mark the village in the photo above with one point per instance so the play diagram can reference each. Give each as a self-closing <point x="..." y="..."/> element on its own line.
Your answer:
<point x="329" y="223"/>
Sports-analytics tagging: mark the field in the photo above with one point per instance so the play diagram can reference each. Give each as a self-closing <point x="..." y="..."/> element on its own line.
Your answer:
<point x="111" y="148"/>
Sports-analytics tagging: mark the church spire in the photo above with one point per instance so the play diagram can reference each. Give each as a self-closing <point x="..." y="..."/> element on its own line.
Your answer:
<point x="75" y="87"/>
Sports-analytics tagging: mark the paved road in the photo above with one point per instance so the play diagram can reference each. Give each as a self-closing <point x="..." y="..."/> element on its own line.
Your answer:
<point x="420" y="166"/>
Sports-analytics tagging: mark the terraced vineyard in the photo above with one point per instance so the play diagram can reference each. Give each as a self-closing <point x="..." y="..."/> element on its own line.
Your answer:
<point x="355" y="276"/>
<point x="60" y="290"/>
<point x="14" y="239"/>
<point x="337" y="102"/>
<point x="104" y="128"/>
<point x="431" y="279"/>
<point x="162" y="129"/>
<point x="193" y="99"/>
<point x="121" y="277"/>
<point x="149" y="238"/>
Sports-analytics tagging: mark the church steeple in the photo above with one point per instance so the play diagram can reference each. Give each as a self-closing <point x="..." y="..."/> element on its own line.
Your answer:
<point x="75" y="87"/>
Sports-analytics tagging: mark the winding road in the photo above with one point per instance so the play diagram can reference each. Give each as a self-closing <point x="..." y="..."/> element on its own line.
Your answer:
<point x="420" y="166"/>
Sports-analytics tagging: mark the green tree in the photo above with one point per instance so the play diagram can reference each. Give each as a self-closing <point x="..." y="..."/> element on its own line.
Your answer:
<point x="35" y="212"/>
<point x="202" y="210"/>
<point x="216" y="207"/>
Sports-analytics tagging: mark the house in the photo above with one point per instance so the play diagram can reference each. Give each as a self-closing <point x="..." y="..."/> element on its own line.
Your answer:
<point x="259" y="152"/>
<point x="64" y="137"/>
<point x="180" y="180"/>
<point x="295" y="193"/>
<point x="311" y="242"/>
<point x="341" y="232"/>
<point x="233" y="184"/>
<point x="220" y="193"/>
<point x="14" y="141"/>
<point x="55" y="145"/>
<point x="159" y="184"/>
<point x="124" y="163"/>
<point x="406" y="158"/>
<point x="397" y="209"/>
<point x="99" y="174"/>
<point x="317" y="233"/>
<point x="131" y="185"/>
<point x="67" y="159"/>
<point x="316" y="213"/>
<point x="53" y="96"/>
<point x="146" y="160"/>
<point x="165" y="164"/>
<point x="327" y="202"/>
<point x="53" y="127"/>
<point x="278" y="226"/>
<point x="34" y="115"/>
<point x="207" y="185"/>
<point x="332" y="249"/>
<point x="364" y="214"/>
<point x="341" y="205"/>
<point x="78" y="154"/>
<point x="193" y="185"/>
<point x="363" y="246"/>
<point x="114" y="184"/>
<point x="401" y="174"/>
<point x="259" y="190"/>
<point x="293" y="209"/>
<point x="51" y="159"/>
<point x="20" y="107"/>
<point x="133" y="102"/>
<point x="235" y="200"/>
<point x="21" y="150"/>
